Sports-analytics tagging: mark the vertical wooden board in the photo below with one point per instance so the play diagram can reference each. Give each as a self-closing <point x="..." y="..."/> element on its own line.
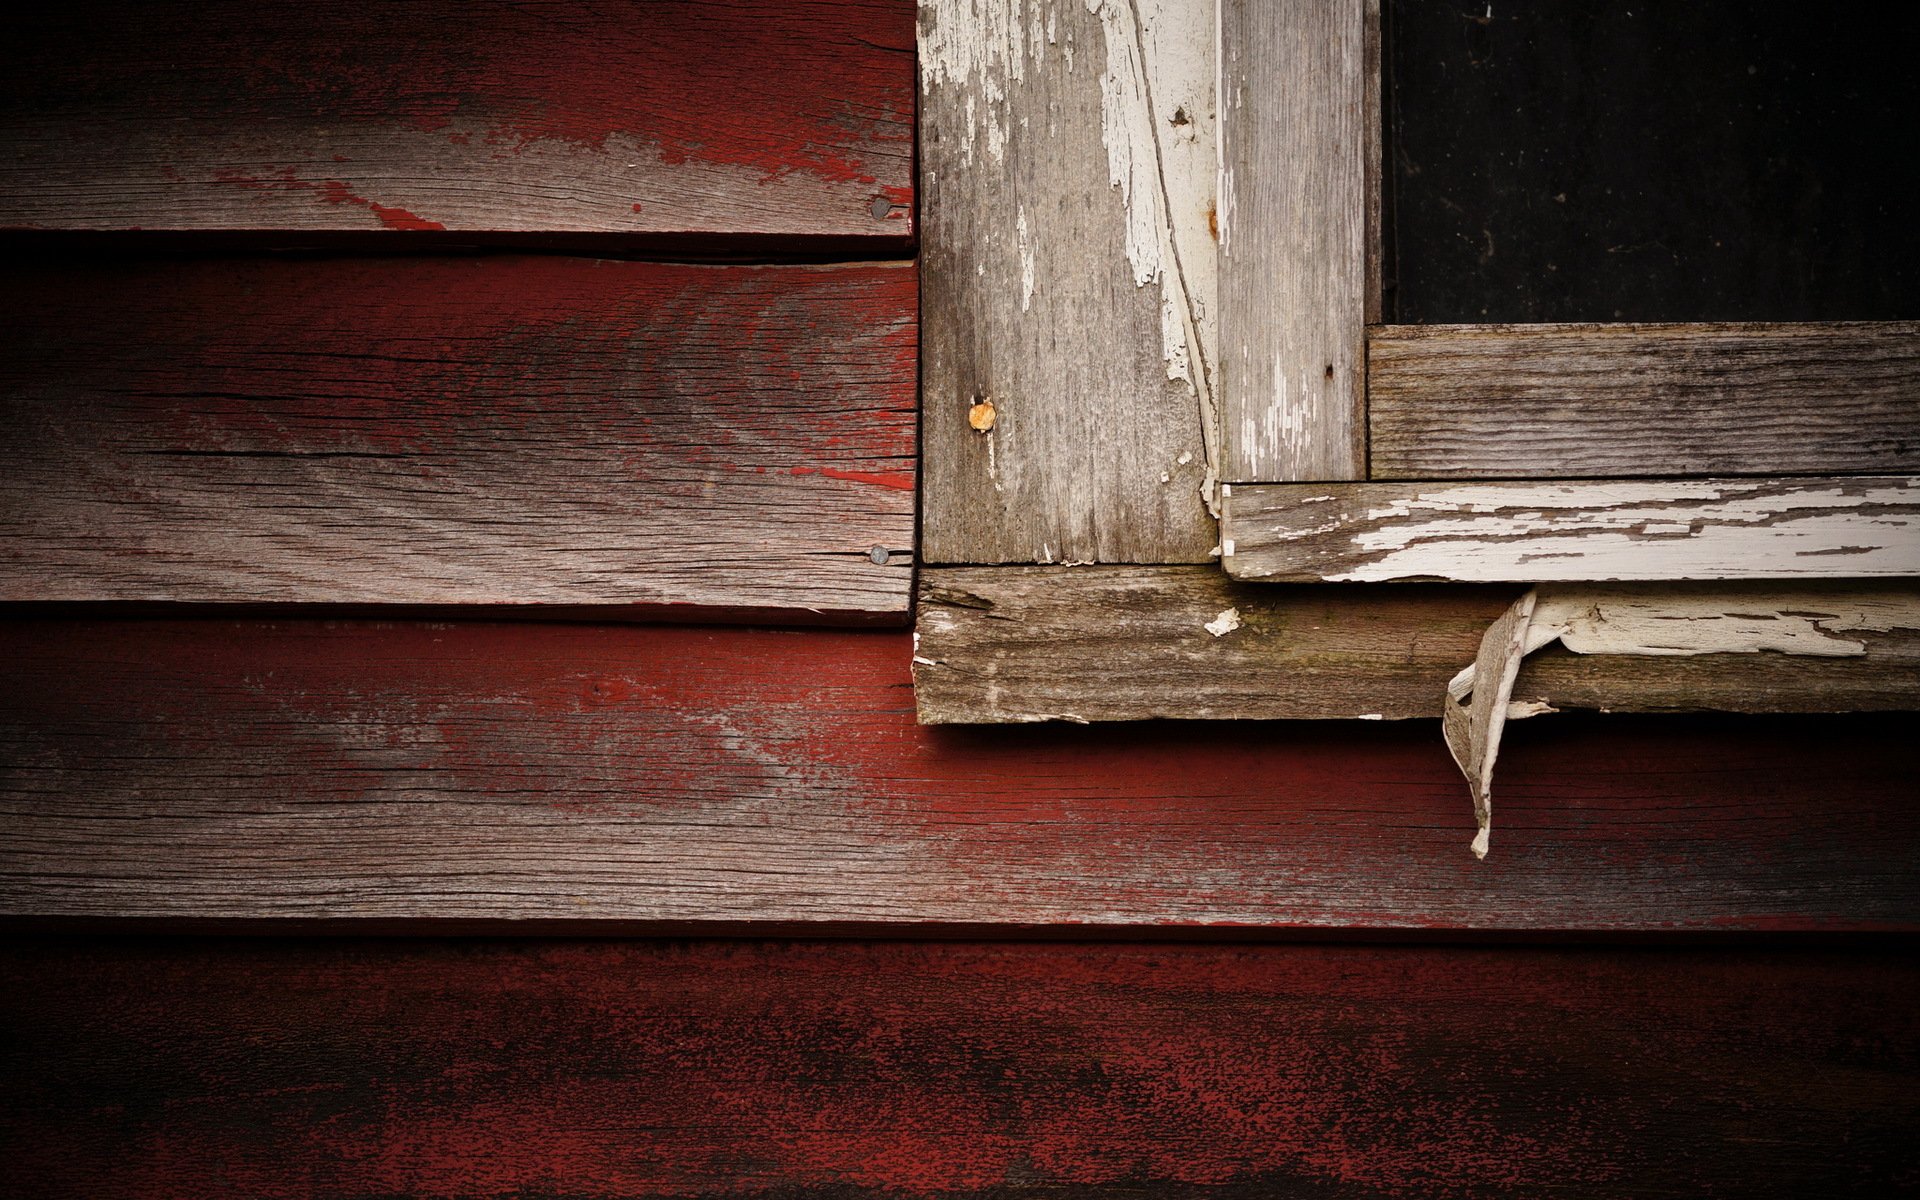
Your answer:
<point x="1067" y="171"/>
<point x="480" y="431"/>
<point x="266" y="1069"/>
<point x="781" y="117"/>
<point x="1298" y="212"/>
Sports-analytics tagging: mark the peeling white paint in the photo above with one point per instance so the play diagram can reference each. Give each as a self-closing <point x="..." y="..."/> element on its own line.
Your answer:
<point x="975" y="45"/>
<point x="1655" y="530"/>
<point x="1675" y="619"/>
<point x="1026" y="261"/>
<point x="1158" y="126"/>
<point x="1159" y="68"/>
<point x="1224" y="624"/>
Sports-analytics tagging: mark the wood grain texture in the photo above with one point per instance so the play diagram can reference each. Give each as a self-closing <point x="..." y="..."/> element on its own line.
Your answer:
<point x="1067" y="163"/>
<point x="361" y="1069"/>
<point x="769" y="116"/>
<point x="1300" y="119"/>
<point x="676" y="778"/>
<point x="1592" y="401"/>
<point x="1781" y="528"/>
<point x="459" y="432"/>
<point x="1129" y="643"/>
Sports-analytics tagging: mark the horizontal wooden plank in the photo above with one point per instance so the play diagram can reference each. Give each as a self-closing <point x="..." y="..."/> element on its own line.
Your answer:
<point x="767" y="116"/>
<point x="675" y="777"/>
<point x="266" y="1069"/>
<point x="1013" y="644"/>
<point x="1592" y="401"/>
<point x="509" y="430"/>
<point x="1005" y="644"/>
<point x="1785" y="528"/>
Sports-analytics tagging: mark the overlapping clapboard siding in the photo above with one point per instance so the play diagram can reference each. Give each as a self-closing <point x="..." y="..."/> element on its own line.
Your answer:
<point x="539" y="431"/>
<point x="664" y="777"/>
<point x="771" y="117"/>
<point x="266" y="1069"/>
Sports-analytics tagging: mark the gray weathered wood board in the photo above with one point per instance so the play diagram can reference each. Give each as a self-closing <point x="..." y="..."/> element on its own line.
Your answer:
<point x="1130" y="643"/>
<point x="1067" y="170"/>
<point x="1298" y="231"/>
<point x="1631" y="529"/>
<point x="774" y="117"/>
<point x="487" y="431"/>
<point x="1597" y="401"/>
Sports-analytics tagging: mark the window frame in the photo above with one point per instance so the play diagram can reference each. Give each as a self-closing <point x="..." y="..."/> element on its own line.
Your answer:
<point x="1301" y="131"/>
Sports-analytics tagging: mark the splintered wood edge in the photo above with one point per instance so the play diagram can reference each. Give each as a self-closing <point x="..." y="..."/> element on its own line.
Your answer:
<point x="1082" y="644"/>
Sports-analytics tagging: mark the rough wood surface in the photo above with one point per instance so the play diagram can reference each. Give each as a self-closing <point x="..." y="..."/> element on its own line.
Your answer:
<point x="1592" y="401"/>
<point x="1067" y="166"/>
<point x="267" y="1069"/>
<point x="1130" y="643"/>
<point x="1298" y="204"/>
<point x="672" y="777"/>
<point x="768" y="116"/>
<point x="1782" y="528"/>
<point x="459" y="432"/>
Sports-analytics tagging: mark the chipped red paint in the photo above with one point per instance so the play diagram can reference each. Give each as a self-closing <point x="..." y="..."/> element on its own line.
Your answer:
<point x="389" y="360"/>
<point x="337" y="192"/>
<point x="329" y="191"/>
<point x="539" y="400"/>
<point x="778" y="88"/>
<point x="735" y="775"/>
<point x="389" y="342"/>
<point x="900" y="481"/>
<point x="586" y="1069"/>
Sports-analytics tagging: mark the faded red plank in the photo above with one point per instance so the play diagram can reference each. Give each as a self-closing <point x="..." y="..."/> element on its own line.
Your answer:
<point x="486" y="431"/>
<point x="674" y="776"/>
<point x="589" y="1069"/>
<point x="752" y="117"/>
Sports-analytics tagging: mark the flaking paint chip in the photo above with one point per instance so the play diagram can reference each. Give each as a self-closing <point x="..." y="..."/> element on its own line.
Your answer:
<point x="1224" y="624"/>
<point x="981" y="416"/>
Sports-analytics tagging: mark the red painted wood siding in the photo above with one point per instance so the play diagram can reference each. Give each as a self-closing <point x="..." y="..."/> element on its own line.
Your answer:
<point x="678" y="775"/>
<point x="601" y="1069"/>
<point x="460" y="431"/>
<point x="790" y="118"/>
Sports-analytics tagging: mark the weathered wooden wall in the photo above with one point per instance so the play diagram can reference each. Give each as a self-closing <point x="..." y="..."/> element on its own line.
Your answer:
<point x="269" y="1069"/>
<point x="493" y="431"/>
<point x="665" y="777"/>
<point x="773" y="117"/>
<point x="734" y="440"/>
<point x="1067" y="164"/>
<point x="1190" y="643"/>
